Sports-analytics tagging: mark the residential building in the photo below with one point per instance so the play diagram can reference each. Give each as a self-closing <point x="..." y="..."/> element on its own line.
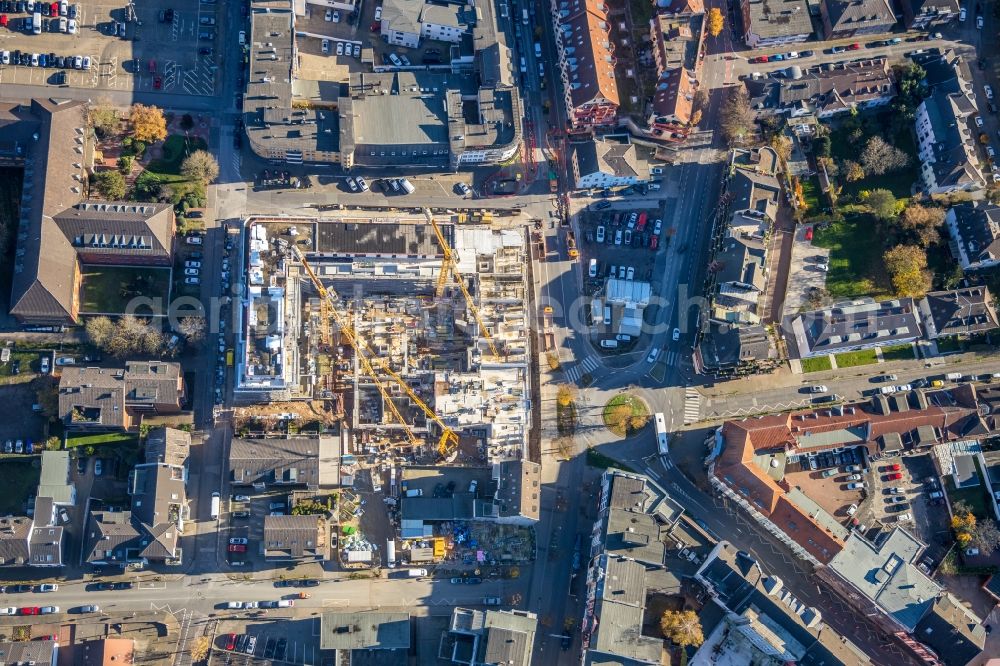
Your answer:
<point x="965" y="311"/>
<point x="677" y="32"/>
<point x="859" y="324"/>
<point x="369" y="637"/>
<point x="946" y="145"/>
<point x="60" y="233"/>
<point x="56" y="479"/>
<point x="599" y="163"/>
<point x="117" y="398"/>
<point x="159" y="494"/>
<point x="741" y="461"/>
<point x="774" y="22"/>
<point x="974" y="228"/>
<point x="104" y="652"/>
<point x="825" y="90"/>
<point x="734" y="338"/>
<point x="15" y="534"/>
<point x="444" y="23"/>
<point x="37" y="652"/>
<point x="311" y="462"/>
<point x="923" y="14"/>
<point x="883" y="580"/>
<point x="489" y="637"/>
<point x="856" y="18"/>
<point x="761" y="621"/>
<point x="587" y="62"/>
<point x="641" y="542"/>
<point x="296" y="538"/>
<point x="32" y="541"/>
<point x="400" y="23"/>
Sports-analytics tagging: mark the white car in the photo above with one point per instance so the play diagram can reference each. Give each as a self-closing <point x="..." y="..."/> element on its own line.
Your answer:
<point x="192" y="280"/>
<point x="192" y="264"/>
<point x="657" y="227"/>
<point x="979" y="22"/>
<point x="791" y="55"/>
<point x="193" y="240"/>
<point x="988" y="90"/>
<point x="328" y="16"/>
<point x="234" y="605"/>
<point x="857" y="485"/>
<point x="362" y="185"/>
<point x="600" y="234"/>
<point x="618" y="237"/>
<point x="9" y="610"/>
<point x="351" y="184"/>
<point x="48" y="587"/>
<point x="357" y="50"/>
<point x="326" y="46"/>
<point x="77" y="62"/>
<point x="65" y="360"/>
<point x="631" y="273"/>
<point x="653" y="354"/>
<point x="979" y="121"/>
<point x="394" y="59"/>
<point x="71" y="28"/>
<point x="904" y="517"/>
<point x="243" y="37"/>
<point x="464" y="189"/>
<point x="378" y="13"/>
<point x="851" y="510"/>
<point x="5" y="57"/>
<point x="818" y="388"/>
<point x="49" y="610"/>
<point x="677" y="334"/>
<point x="98" y="467"/>
<point x="962" y="14"/>
<point x="34" y="60"/>
<point x="340" y="48"/>
<point x="191" y="271"/>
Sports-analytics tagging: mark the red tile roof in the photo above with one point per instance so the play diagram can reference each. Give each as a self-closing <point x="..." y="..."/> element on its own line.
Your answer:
<point x="592" y="72"/>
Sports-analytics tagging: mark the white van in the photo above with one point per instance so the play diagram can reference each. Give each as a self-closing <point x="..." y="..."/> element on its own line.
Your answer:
<point x="607" y="315"/>
<point x="407" y="186"/>
<point x="593" y="268"/>
<point x="36" y="23"/>
<point x="416" y="573"/>
<point x="609" y="344"/>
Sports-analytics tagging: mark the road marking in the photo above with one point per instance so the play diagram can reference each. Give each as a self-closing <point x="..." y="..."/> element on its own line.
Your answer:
<point x="692" y="406"/>
<point x="336" y="603"/>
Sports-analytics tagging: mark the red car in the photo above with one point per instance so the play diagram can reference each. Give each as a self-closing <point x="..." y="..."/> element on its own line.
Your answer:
<point x="234" y="548"/>
<point x="759" y="59"/>
<point x="893" y="468"/>
<point x="895" y="477"/>
<point x="31" y="610"/>
<point x="3" y="20"/>
<point x="854" y="47"/>
<point x="231" y="642"/>
<point x="54" y="8"/>
<point x="376" y="26"/>
<point x="809" y="234"/>
<point x="157" y="83"/>
<point x="653" y="242"/>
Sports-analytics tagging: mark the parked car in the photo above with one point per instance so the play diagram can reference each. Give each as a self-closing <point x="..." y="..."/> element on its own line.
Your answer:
<point x="818" y="388"/>
<point x="48" y="587"/>
<point x="239" y="540"/>
<point x="98" y="467"/>
<point x="48" y="610"/>
<point x="857" y="485"/>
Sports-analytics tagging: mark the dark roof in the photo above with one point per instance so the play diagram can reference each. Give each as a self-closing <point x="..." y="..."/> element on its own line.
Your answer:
<point x="295" y="537"/>
<point x="168" y="445"/>
<point x="610" y="157"/>
<point x="978" y="227"/>
<point x="519" y="491"/>
<point x="158" y="499"/>
<point x="726" y="346"/>
<point x="100" y="397"/>
<point x="291" y="461"/>
<point x="934" y="8"/>
<point x="825" y="88"/>
<point x="46" y="546"/>
<point x="742" y="261"/>
<point x="108" y="535"/>
<point x="959" y="311"/>
<point x="365" y="238"/>
<point x="952" y="631"/>
<point x="779" y="18"/>
<point x="859" y="15"/>
<point x="14" y="534"/>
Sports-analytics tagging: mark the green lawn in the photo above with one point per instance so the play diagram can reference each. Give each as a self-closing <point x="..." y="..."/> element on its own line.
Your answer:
<point x="975" y="497"/>
<point x="897" y="353"/>
<point x="816" y="364"/>
<point x="175" y="149"/>
<point x="100" y="439"/>
<point x="20" y="479"/>
<point x="950" y="345"/>
<point x="812" y="194"/>
<point x="854" y="358"/>
<point x="109" y="289"/>
<point x="855" y="257"/>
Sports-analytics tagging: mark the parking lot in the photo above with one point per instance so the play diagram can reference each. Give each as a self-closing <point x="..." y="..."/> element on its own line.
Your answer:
<point x="830" y="479"/>
<point x="246" y="521"/>
<point x="287" y="640"/>
<point x="147" y="51"/>
<point x="621" y="245"/>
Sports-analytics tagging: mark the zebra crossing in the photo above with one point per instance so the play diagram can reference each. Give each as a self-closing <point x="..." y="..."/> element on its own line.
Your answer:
<point x="588" y="364"/>
<point x="692" y="406"/>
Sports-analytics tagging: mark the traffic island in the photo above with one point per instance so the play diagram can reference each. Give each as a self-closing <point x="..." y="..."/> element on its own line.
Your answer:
<point x="625" y="414"/>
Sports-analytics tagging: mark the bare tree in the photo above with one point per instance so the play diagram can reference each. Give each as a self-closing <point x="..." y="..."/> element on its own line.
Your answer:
<point x="104" y="118"/>
<point x="192" y="328"/>
<point x="737" y="117"/>
<point x="99" y="331"/>
<point x="923" y="222"/>
<point x="986" y="536"/>
<point x="879" y="157"/>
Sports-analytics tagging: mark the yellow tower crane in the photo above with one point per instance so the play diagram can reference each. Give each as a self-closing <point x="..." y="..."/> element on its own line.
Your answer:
<point x="449" y="266"/>
<point x="448" y="441"/>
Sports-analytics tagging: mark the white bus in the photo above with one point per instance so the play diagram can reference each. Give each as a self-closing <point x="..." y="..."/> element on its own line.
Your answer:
<point x="661" y="433"/>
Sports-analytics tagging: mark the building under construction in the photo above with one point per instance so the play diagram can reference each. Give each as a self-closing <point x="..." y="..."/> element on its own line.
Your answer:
<point x="417" y="329"/>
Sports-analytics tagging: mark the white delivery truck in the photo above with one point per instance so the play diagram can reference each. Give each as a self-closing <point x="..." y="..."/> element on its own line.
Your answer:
<point x="216" y="505"/>
<point x="390" y="553"/>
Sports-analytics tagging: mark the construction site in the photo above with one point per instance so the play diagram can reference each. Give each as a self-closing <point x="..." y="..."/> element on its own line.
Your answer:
<point x="413" y="333"/>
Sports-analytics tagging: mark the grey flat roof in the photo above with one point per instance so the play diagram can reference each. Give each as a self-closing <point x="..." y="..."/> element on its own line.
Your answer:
<point x="365" y="238"/>
<point x="400" y="108"/>
<point x="372" y="630"/>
